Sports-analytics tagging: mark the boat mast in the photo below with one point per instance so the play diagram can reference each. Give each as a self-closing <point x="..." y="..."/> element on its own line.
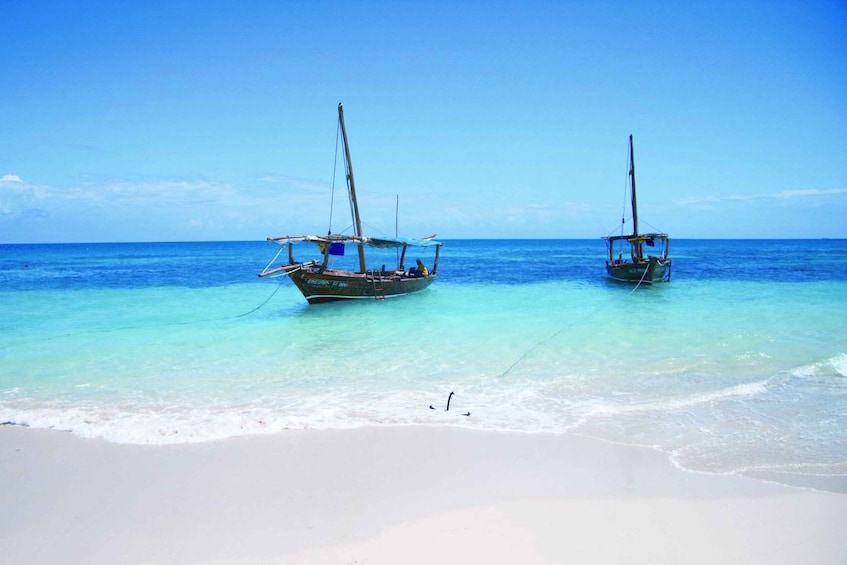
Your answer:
<point x="351" y="187"/>
<point x="632" y="180"/>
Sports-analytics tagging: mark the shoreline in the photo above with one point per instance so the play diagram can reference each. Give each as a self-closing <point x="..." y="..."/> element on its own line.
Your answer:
<point x="394" y="494"/>
<point x="834" y="483"/>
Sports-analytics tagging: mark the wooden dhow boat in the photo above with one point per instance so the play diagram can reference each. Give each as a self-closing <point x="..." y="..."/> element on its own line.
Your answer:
<point x="320" y="282"/>
<point x="639" y="258"/>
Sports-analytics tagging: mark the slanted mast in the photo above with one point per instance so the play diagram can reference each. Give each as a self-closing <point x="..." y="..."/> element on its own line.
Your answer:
<point x="351" y="188"/>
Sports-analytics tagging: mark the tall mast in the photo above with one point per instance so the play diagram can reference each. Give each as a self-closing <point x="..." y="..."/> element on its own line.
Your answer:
<point x="351" y="187"/>
<point x="632" y="175"/>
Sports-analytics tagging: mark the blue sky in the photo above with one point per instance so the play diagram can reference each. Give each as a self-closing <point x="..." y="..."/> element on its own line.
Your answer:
<point x="181" y="121"/>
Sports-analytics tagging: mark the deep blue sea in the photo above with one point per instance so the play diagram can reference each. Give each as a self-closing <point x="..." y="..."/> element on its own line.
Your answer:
<point x="738" y="365"/>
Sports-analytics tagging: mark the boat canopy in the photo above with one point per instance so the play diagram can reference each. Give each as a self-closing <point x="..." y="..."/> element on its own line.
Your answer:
<point x="642" y="237"/>
<point x="402" y="242"/>
<point x="381" y="242"/>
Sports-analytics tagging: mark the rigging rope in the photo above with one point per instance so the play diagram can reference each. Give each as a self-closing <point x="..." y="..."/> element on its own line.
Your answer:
<point x="625" y="189"/>
<point x="334" y="170"/>
<point x="350" y="192"/>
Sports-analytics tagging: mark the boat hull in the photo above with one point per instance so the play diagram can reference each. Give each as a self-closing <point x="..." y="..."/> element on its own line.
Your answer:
<point x="651" y="271"/>
<point x="331" y="286"/>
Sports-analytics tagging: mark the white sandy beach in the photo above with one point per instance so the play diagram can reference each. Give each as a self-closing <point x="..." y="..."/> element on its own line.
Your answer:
<point x="394" y="495"/>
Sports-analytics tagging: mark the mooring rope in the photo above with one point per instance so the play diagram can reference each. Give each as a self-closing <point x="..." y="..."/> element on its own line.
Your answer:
<point x="268" y="299"/>
<point x="526" y="353"/>
<point x="530" y="350"/>
<point x="548" y="338"/>
<point x="642" y="278"/>
<point x="263" y="303"/>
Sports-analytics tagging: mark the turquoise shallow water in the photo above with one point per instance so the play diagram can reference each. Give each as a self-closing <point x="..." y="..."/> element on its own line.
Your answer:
<point x="739" y="365"/>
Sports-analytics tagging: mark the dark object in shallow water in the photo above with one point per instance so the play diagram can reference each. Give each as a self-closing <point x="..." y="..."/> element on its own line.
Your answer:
<point x="450" y="396"/>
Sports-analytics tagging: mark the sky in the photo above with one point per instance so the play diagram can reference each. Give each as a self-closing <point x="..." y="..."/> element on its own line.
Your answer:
<point x="135" y="120"/>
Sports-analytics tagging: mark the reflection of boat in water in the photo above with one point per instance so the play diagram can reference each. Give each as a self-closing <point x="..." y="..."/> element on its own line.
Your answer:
<point x="627" y="261"/>
<point x="319" y="282"/>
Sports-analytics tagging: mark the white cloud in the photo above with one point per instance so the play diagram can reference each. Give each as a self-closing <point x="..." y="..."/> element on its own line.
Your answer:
<point x="809" y="192"/>
<point x="783" y="195"/>
<point x="18" y="199"/>
<point x="150" y="208"/>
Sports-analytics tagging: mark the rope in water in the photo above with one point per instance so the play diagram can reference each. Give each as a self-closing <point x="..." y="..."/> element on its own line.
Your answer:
<point x="642" y="279"/>
<point x="526" y="353"/>
<point x="548" y="338"/>
<point x="263" y="303"/>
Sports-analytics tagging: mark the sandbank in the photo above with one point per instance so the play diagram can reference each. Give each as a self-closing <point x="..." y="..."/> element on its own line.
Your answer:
<point x="390" y="495"/>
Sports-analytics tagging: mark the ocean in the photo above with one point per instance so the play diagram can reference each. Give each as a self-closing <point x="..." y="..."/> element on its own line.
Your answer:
<point x="737" y="366"/>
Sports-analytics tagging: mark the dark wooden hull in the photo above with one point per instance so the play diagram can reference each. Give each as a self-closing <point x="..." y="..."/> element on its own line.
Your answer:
<point x="651" y="271"/>
<point x="330" y="286"/>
